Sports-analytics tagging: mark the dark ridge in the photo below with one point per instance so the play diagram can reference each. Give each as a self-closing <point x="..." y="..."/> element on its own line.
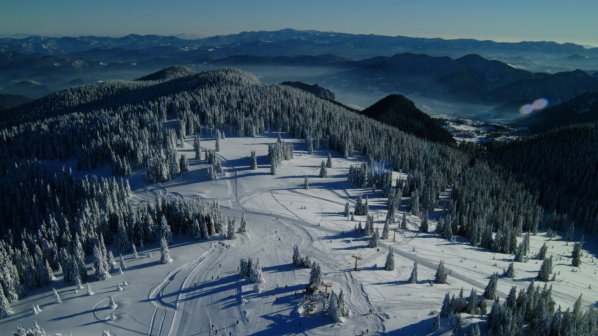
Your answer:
<point x="167" y="74"/>
<point x="315" y="89"/>
<point x="398" y="111"/>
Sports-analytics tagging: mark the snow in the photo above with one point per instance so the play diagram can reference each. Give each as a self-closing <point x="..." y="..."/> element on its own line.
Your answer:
<point x="201" y="293"/>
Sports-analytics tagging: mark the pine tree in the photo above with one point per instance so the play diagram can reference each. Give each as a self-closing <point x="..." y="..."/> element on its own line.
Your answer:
<point x="306" y="183"/>
<point x="389" y="265"/>
<point x="165" y="231"/>
<point x="315" y="278"/>
<point x="197" y="148"/>
<point x="122" y="264"/>
<point x="490" y="290"/>
<point x="347" y="211"/>
<point x="183" y="165"/>
<point x="195" y="229"/>
<point x="323" y="170"/>
<point x="297" y="260"/>
<point x="545" y="270"/>
<point x="374" y="241"/>
<point x="230" y="233"/>
<point x="342" y="305"/>
<point x="56" y="296"/>
<point x="89" y="290"/>
<point x="441" y="276"/>
<point x="102" y="273"/>
<point x="576" y="255"/>
<point x="5" y="308"/>
<point x="386" y="230"/>
<point x="329" y="161"/>
<point x="164" y="252"/>
<point x="577" y="308"/>
<point x="243" y="225"/>
<point x="436" y="323"/>
<point x="413" y="276"/>
<point x="135" y="254"/>
<point x="510" y="272"/>
<point x="217" y="145"/>
<point x="333" y="311"/>
<point x="542" y="253"/>
<point x="253" y="160"/>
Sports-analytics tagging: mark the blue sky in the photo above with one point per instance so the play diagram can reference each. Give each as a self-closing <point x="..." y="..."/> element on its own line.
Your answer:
<point x="506" y="20"/>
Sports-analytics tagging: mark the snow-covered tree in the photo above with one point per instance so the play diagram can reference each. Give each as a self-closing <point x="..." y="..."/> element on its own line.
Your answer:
<point x="424" y="226"/>
<point x="89" y="290"/>
<point x="413" y="276"/>
<point x="441" y="275"/>
<point x="56" y="296"/>
<point x="333" y="310"/>
<point x="404" y="221"/>
<point x="243" y="225"/>
<point x="230" y="232"/>
<point x="111" y="302"/>
<point x="101" y="271"/>
<point x="135" y="254"/>
<point x="386" y="230"/>
<point x="183" y="165"/>
<point x="253" y="160"/>
<point x="329" y="161"/>
<point x="389" y="265"/>
<point x="347" y="210"/>
<point x="121" y="262"/>
<point x="490" y="290"/>
<point x="342" y="304"/>
<point x="5" y="308"/>
<point x="323" y="170"/>
<point x="197" y="148"/>
<point x="542" y="253"/>
<point x="576" y="255"/>
<point x="510" y="272"/>
<point x="164" y="252"/>
<point x="374" y="240"/>
<point x="315" y="278"/>
<point x="545" y="270"/>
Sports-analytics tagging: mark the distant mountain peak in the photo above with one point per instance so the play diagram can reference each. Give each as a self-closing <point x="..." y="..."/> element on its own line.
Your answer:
<point x="399" y="111"/>
<point x="167" y="74"/>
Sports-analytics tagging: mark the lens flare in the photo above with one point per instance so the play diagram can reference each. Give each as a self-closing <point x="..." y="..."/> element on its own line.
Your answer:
<point x="538" y="104"/>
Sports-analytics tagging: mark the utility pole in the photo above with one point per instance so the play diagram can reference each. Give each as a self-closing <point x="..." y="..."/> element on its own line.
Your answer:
<point x="356" y="258"/>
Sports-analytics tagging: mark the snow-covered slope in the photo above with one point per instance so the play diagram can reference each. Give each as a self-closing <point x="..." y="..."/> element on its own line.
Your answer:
<point x="201" y="293"/>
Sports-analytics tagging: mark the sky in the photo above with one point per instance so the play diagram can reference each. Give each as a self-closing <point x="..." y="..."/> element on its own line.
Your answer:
<point x="504" y="20"/>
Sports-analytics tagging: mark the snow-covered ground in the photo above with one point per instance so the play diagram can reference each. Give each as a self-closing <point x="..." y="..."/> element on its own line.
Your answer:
<point x="200" y="293"/>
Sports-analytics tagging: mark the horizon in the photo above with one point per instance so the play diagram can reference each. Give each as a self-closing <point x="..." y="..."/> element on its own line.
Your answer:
<point x="531" y="21"/>
<point x="191" y="37"/>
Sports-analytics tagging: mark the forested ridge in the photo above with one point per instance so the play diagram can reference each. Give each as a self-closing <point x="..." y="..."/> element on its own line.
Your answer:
<point x="57" y="220"/>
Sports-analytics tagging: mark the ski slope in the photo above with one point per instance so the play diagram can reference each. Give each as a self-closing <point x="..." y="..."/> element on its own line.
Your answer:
<point x="201" y="293"/>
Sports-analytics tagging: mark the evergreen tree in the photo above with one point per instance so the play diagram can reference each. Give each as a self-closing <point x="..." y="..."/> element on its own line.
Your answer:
<point x="347" y="211"/>
<point x="230" y="234"/>
<point x="413" y="276"/>
<point x="243" y="225"/>
<point x="183" y="165"/>
<point x="306" y="183"/>
<point x="253" y="160"/>
<point x="510" y="272"/>
<point x="56" y="296"/>
<point x="342" y="305"/>
<point x="441" y="276"/>
<point x="197" y="148"/>
<point x="333" y="309"/>
<point x="386" y="230"/>
<point x="576" y="255"/>
<point x="374" y="241"/>
<point x="329" y="161"/>
<point x="315" y="278"/>
<point x="122" y="264"/>
<point x="490" y="290"/>
<point x="164" y="252"/>
<point x="389" y="265"/>
<point x="323" y="170"/>
<point x="5" y="308"/>
<point x="545" y="270"/>
<point x="542" y="253"/>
